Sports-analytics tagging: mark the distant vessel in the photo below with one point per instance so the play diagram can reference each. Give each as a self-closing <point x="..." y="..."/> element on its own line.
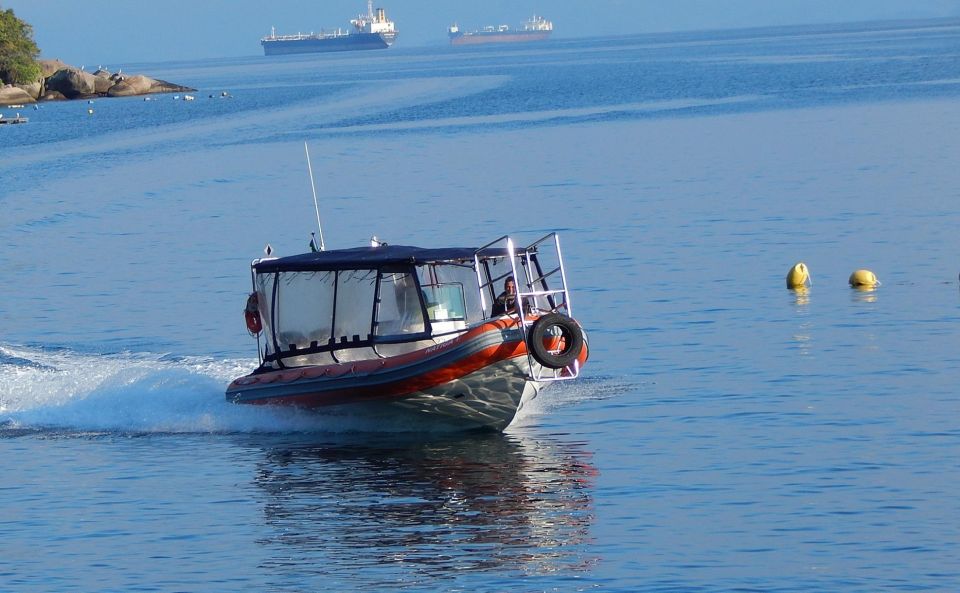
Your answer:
<point x="535" y="29"/>
<point x="370" y="31"/>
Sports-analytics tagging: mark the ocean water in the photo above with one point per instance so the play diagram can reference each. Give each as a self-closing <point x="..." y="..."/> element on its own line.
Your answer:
<point x="726" y="435"/>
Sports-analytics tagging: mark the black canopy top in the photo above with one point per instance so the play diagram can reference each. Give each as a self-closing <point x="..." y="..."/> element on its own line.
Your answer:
<point x="365" y="258"/>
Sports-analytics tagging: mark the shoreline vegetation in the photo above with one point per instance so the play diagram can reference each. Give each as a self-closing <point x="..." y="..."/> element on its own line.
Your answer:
<point x="26" y="79"/>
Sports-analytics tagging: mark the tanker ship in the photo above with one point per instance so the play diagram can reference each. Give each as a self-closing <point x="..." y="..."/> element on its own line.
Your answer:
<point x="370" y="31"/>
<point x="535" y="29"/>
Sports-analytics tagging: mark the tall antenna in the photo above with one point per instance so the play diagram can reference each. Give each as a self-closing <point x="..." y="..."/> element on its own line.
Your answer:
<point x="313" y="187"/>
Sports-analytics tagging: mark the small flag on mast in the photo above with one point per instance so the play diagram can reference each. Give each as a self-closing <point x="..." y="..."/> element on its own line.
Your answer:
<point x="313" y="244"/>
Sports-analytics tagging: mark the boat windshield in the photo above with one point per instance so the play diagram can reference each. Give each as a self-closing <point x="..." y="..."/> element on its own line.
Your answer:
<point x="375" y="302"/>
<point x="451" y="293"/>
<point x="322" y="317"/>
<point x="314" y="317"/>
<point x="400" y="312"/>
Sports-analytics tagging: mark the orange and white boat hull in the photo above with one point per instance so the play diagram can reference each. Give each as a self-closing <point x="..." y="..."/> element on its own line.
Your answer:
<point x="478" y="379"/>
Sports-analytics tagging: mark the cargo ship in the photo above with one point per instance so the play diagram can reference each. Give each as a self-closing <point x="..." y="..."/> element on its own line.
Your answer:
<point x="370" y="31"/>
<point x="535" y="29"/>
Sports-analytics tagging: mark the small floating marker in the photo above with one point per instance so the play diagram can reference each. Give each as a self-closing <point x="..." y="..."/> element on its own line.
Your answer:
<point x="89" y="111"/>
<point x="798" y="276"/>
<point x="864" y="279"/>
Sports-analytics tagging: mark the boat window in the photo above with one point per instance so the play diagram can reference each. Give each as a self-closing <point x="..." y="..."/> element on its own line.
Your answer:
<point x="311" y="317"/>
<point x="454" y="288"/>
<point x="304" y="309"/>
<point x="264" y="284"/>
<point x="354" y="314"/>
<point x="466" y="277"/>
<point x="445" y="302"/>
<point x="399" y="310"/>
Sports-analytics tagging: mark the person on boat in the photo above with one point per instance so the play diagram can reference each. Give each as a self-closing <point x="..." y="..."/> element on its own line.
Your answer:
<point x="507" y="301"/>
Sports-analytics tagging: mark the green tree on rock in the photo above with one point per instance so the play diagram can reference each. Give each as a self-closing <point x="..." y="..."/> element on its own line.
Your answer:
<point x="18" y="52"/>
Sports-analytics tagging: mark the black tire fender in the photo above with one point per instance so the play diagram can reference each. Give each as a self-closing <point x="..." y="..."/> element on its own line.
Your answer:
<point x="568" y="330"/>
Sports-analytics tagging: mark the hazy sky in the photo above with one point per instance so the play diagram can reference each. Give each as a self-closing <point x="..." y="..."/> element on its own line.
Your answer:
<point x="114" y="32"/>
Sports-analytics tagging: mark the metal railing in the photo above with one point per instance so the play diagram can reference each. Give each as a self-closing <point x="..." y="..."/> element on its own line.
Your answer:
<point x="533" y="290"/>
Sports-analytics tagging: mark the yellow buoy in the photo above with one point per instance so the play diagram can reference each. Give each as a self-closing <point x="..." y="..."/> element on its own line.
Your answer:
<point x="798" y="276"/>
<point x="90" y="111"/>
<point x="864" y="279"/>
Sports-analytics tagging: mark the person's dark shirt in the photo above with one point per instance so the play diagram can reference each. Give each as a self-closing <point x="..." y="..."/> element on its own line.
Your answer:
<point x="504" y="303"/>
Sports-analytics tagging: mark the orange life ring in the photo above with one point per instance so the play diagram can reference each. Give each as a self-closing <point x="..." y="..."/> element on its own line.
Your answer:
<point x="252" y="314"/>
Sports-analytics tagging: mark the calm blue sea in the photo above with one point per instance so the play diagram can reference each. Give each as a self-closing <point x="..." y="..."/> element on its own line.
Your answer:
<point x="726" y="435"/>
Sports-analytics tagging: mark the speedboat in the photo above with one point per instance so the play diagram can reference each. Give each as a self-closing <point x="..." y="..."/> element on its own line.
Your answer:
<point x="423" y="330"/>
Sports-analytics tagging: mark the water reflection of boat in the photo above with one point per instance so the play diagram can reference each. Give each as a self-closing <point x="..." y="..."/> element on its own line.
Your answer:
<point x="479" y="502"/>
<point x="413" y="329"/>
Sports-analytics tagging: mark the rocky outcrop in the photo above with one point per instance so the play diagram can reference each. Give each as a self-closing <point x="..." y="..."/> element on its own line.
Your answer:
<point x="134" y="85"/>
<point x="73" y="83"/>
<point x="102" y="81"/>
<point x="48" y="67"/>
<point x="143" y="85"/>
<point x="53" y="96"/>
<point x="33" y="89"/>
<point x="62" y="81"/>
<point x="14" y="95"/>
